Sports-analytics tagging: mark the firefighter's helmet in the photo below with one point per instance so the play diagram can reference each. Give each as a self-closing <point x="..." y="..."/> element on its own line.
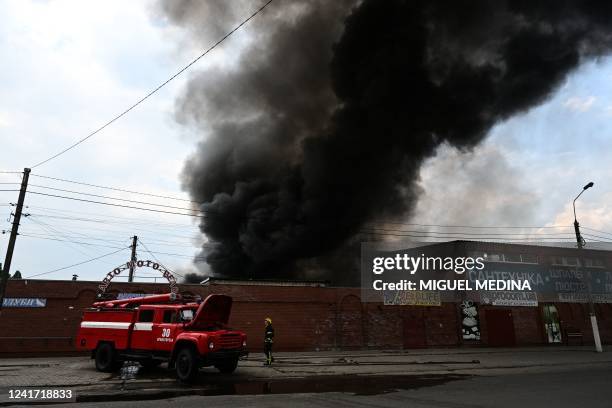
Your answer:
<point x="268" y="320"/>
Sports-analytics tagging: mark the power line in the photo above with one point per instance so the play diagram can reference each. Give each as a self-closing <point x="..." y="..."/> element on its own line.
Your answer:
<point x="114" y="230"/>
<point x="588" y="235"/>
<point x="112" y="198"/>
<point x="185" y="239"/>
<point x="77" y="264"/>
<point x="593" y="229"/>
<point x="66" y="240"/>
<point x="114" y="205"/>
<point x="158" y="261"/>
<point x="111" y="241"/>
<point x="157" y="88"/>
<point x="114" y="188"/>
<point x="145" y="221"/>
<point x="426" y="235"/>
<point x="55" y="232"/>
<point x="467" y="233"/>
<point x="474" y="226"/>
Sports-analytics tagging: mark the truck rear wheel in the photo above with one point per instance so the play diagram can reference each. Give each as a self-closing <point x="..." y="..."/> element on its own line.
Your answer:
<point x="106" y="358"/>
<point x="227" y="366"/>
<point x="186" y="364"/>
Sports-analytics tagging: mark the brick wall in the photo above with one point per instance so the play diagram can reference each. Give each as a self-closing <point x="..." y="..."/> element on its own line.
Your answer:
<point x="305" y="318"/>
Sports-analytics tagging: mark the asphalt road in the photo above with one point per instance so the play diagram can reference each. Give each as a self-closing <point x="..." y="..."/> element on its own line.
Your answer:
<point x="571" y="387"/>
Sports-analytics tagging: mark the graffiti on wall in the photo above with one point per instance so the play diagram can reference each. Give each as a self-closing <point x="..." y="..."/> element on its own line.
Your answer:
<point x="470" y="324"/>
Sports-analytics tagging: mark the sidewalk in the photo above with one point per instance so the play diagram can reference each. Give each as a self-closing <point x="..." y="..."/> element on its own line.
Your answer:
<point x="79" y="374"/>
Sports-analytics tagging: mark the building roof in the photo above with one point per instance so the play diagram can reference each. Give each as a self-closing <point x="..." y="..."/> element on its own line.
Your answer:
<point x="262" y="282"/>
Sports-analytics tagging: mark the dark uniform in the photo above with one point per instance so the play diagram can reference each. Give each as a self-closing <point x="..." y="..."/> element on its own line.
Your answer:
<point x="268" y="342"/>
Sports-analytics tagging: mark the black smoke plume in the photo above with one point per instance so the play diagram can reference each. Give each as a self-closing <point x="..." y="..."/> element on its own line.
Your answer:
<point x="324" y="120"/>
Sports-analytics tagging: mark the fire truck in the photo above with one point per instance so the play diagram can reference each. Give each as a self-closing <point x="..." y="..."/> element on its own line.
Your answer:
<point x="184" y="332"/>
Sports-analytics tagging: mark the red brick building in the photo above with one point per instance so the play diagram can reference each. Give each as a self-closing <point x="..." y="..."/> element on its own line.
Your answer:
<point x="44" y="314"/>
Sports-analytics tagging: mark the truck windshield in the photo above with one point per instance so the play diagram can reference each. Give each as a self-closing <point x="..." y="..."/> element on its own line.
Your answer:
<point x="187" y="315"/>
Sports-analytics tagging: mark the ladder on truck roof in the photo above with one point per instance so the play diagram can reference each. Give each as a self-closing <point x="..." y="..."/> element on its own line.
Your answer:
<point x="147" y="300"/>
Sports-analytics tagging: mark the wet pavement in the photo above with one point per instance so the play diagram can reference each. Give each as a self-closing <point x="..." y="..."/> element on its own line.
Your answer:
<point x="357" y="373"/>
<point x="564" y="388"/>
<point x="219" y="385"/>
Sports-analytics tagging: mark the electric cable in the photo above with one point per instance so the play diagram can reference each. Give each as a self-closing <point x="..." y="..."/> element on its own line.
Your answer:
<point x="115" y="118"/>
<point x="74" y="242"/>
<point x="112" y="188"/>
<point x="77" y="264"/>
<point x="112" y="198"/>
<point x="113" y="204"/>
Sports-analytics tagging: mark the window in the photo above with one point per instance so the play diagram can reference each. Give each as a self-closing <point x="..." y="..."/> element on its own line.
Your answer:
<point x="145" y="316"/>
<point x="557" y="260"/>
<point x="529" y="258"/>
<point x="169" y="316"/>
<point x="512" y="257"/>
<point x="187" y="315"/>
<point x="571" y="260"/>
<point x="565" y="260"/>
<point x="494" y="258"/>
<point x="593" y="263"/>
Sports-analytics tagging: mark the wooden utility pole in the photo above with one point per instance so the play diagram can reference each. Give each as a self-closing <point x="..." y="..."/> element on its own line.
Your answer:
<point x="133" y="260"/>
<point x="4" y="276"/>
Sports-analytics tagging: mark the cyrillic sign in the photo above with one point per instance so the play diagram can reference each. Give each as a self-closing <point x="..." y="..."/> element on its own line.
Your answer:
<point x="415" y="298"/>
<point x="138" y="264"/>
<point x="24" y="302"/>
<point x="509" y="298"/>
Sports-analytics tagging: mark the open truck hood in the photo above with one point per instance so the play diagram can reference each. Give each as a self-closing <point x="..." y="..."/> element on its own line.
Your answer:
<point x="214" y="310"/>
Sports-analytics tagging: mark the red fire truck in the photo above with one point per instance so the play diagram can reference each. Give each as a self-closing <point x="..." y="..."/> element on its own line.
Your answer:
<point x="163" y="328"/>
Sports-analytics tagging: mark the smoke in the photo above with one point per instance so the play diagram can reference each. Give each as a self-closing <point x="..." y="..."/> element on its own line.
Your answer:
<point x="323" y="122"/>
<point x="484" y="187"/>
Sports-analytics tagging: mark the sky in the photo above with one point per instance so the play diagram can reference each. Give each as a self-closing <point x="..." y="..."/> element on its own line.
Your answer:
<point x="69" y="66"/>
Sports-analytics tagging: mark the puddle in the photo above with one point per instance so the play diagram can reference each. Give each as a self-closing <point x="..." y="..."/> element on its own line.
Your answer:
<point x="129" y="370"/>
<point x="208" y="386"/>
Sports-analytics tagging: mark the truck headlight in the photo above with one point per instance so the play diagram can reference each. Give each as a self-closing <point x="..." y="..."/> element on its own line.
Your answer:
<point x="243" y="343"/>
<point x="211" y="345"/>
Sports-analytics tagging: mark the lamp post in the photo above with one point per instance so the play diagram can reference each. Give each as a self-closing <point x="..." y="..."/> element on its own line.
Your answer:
<point x="580" y="241"/>
<point x="579" y="238"/>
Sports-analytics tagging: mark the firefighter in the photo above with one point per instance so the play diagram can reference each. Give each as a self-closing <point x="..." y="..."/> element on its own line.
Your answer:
<point x="268" y="341"/>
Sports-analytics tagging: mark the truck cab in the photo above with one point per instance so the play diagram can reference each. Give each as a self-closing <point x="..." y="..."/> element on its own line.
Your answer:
<point x="165" y="328"/>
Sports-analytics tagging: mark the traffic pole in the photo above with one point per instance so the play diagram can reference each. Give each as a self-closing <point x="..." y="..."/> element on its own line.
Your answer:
<point x="13" y="238"/>
<point x="133" y="259"/>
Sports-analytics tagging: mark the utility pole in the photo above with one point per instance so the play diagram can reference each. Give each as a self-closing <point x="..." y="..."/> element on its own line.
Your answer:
<point x="580" y="262"/>
<point x="14" y="232"/>
<point x="133" y="260"/>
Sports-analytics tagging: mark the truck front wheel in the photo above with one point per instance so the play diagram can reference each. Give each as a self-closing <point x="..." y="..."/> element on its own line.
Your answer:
<point x="106" y="358"/>
<point x="227" y="366"/>
<point x="186" y="364"/>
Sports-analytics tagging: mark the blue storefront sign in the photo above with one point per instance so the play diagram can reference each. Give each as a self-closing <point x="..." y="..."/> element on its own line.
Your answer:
<point x="24" y="302"/>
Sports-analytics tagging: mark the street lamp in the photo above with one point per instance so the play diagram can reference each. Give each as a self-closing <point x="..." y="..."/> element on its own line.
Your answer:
<point x="581" y="243"/>
<point x="579" y="238"/>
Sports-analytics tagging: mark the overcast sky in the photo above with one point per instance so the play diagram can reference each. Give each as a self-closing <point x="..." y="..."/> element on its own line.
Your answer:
<point x="68" y="66"/>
